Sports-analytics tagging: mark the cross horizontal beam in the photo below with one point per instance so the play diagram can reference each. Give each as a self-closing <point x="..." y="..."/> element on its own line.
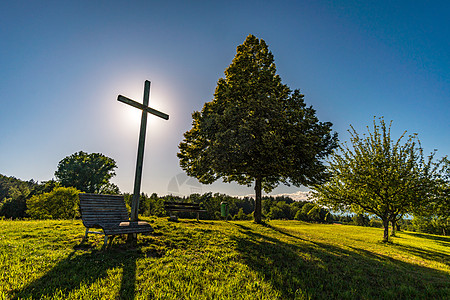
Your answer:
<point x="143" y="107"/>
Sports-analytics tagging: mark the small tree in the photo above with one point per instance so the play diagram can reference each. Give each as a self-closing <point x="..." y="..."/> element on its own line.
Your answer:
<point x="378" y="176"/>
<point x="89" y="173"/>
<point x="435" y="215"/>
<point x="256" y="130"/>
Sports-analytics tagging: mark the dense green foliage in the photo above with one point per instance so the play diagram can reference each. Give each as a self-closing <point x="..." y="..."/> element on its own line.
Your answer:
<point x="60" y="203"/>
<point x="240" y="208"/>
<point x="14" y="194"/>
<point x="89" y="173"/>
<point x="256" y="129"/>
<point x="10" y="187"/>
<point x="221" y="260"/>
<point x="379" y="177"/>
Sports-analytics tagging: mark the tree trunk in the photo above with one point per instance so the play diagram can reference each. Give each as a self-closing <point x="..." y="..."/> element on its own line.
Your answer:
<point x="257" y="214"/>
<point x="394" y="227"/>
<point x="386" y="230"/>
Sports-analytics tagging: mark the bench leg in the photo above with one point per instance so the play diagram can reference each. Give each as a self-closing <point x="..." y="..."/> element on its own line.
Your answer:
<point x="197" y="216"/>
<point x="85" y="238"/>
<point x="105" y="243"/>
<point x="111" y="240"/>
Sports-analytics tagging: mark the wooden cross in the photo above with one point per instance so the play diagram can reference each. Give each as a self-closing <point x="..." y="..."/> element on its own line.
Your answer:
<point x="140" y="156"/>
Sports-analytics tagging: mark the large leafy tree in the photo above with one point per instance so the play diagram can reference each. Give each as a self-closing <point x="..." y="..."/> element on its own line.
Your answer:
<point x="88" y="173"/>
<point x="256" y="130"/>
<point x="379" y="176"/>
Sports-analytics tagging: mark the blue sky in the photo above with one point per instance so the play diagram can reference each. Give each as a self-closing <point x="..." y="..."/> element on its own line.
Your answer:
<point x="63" y="63"/>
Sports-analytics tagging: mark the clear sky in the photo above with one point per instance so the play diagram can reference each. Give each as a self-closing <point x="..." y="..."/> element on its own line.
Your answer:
<point x="63" y="63"/>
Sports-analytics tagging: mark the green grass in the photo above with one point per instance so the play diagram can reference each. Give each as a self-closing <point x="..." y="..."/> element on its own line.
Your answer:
<point x="222" y="260"/>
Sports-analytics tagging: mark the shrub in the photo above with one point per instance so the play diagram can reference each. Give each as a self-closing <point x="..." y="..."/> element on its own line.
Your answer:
<point x="276" y="213"/>
<point x="374" y="222"/>
<point x="60" y="203"/>
<point x="299" y="215"/>
<point x="242" y="216"/>
<point x="361" y="220"/>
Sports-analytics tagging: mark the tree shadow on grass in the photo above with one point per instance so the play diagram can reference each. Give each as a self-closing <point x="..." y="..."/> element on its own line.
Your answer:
<point x="425" y="253"/>
<point x="443" y="240"/>
<point x="297" y="268"/>
<point x="85" y="266"/>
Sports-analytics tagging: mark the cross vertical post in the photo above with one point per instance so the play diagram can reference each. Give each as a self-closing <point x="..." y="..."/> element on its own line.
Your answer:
<point x="140" y="155"/>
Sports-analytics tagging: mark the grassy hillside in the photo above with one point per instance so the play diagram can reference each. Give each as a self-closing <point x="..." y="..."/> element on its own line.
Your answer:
<point x="222" y="260"/>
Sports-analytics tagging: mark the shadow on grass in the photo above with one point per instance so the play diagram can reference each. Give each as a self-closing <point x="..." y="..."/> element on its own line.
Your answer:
<point x="85" y="266"/>
<point x="440" y="238"/>
<point x="303" y="269"/>
<point x="195" y="222"/>
<point x="425" y="253"/>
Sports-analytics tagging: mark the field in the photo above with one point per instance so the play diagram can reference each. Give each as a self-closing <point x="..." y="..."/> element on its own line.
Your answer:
<point x="222" y="260"/>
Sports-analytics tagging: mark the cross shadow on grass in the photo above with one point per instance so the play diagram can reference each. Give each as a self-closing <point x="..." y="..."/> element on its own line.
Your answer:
<point x="299" y="269"/>
<point x="85" y="266"/>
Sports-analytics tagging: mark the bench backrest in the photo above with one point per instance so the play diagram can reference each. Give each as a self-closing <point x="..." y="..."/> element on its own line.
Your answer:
<point x="100" y="209"/>
<point x="173" y="204"/>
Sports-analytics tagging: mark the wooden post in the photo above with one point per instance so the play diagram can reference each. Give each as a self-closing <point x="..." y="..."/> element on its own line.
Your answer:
<point x="140" y="157"/>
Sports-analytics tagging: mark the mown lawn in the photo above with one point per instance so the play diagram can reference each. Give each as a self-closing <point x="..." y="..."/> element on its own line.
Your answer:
<point x="222" y="260"/>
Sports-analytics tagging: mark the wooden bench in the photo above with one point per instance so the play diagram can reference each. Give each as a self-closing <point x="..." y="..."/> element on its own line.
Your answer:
<point x="173" y="207"/>
<point x="109" y="213"/>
